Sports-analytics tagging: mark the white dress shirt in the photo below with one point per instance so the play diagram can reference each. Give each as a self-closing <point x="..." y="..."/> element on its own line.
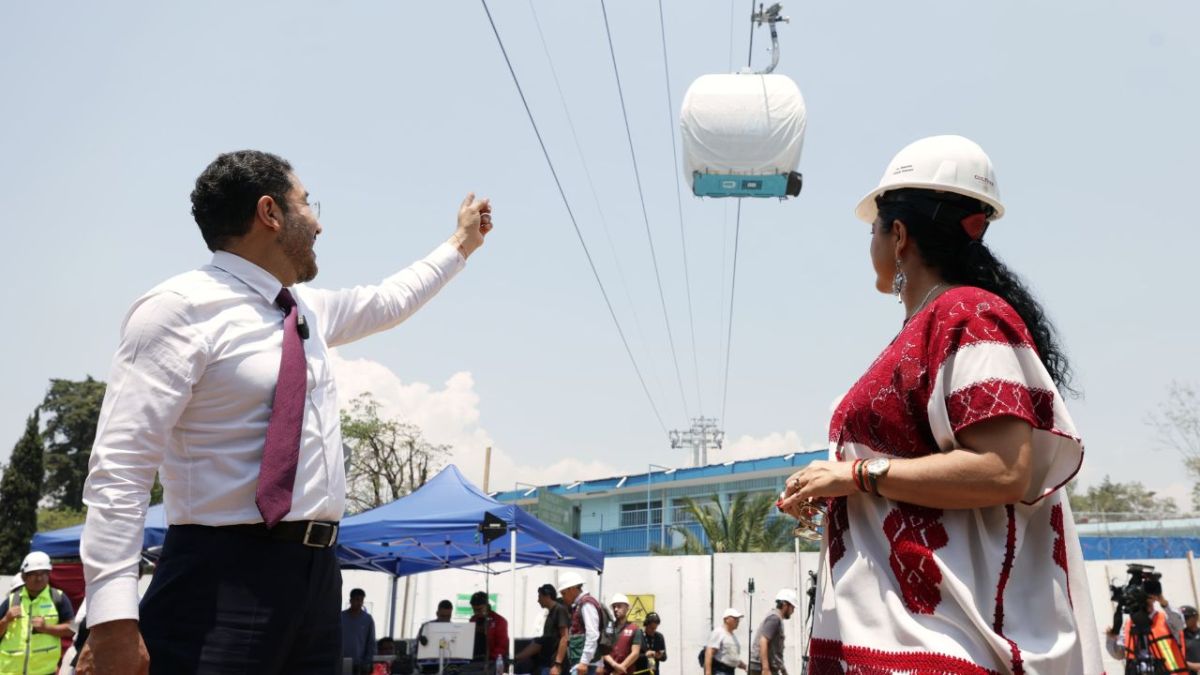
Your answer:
<point x="190" y="395"/>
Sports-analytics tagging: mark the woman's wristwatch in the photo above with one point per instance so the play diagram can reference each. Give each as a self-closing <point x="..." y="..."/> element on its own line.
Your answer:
<point x="875" y="469"/>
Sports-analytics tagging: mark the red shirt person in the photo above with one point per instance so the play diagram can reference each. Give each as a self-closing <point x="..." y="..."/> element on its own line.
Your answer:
<point x="491" y="630"/>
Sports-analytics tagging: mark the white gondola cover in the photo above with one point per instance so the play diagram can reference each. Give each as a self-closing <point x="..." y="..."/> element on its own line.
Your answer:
<point x="743" y="124"/>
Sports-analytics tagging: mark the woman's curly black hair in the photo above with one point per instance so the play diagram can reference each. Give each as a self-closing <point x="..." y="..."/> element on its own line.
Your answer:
<point x="934" y="220"/>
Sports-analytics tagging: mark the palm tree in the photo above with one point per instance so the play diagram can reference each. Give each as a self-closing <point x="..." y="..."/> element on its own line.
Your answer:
<point x="743" y="527"/>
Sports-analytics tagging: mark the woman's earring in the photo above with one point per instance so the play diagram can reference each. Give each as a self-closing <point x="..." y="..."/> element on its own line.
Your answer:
<point x="898" y="282"/>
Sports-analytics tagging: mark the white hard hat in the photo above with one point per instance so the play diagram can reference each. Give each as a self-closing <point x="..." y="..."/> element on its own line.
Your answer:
<point x="943" y="163"/>
<point x="619" y="598"/>
<point x="732" y="612"/>
<point x="35" y="561"/>
<point x="569" y="580"/>
<point x="787" y="595"/>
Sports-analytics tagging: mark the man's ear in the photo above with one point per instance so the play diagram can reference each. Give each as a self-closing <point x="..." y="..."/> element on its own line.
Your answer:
<point x="269" y="212"/>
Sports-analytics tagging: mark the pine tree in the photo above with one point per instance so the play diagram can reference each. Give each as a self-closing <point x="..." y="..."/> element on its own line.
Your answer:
<point x="20" y="490"/>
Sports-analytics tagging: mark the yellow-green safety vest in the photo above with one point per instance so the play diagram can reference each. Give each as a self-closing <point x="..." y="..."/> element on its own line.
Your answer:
<point x="23" y="652"/>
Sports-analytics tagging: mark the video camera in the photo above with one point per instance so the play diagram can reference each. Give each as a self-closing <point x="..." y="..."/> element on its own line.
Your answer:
<point x="1131" y="598"/>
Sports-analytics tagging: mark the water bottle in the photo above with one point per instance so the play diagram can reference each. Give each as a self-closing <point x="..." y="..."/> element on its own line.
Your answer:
<point x="499" y="665"/>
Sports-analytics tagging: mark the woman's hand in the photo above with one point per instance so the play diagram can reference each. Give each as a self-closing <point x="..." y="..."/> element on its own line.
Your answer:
<point x="819" y="479"/>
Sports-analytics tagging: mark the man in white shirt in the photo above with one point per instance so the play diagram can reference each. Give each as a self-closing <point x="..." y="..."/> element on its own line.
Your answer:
<point x="723" y="652"/>
<point x="252" y="472"/>
<point x="583" y="635"/>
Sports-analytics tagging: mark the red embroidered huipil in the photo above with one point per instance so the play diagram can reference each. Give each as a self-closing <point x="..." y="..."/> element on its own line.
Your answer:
<point x="992" y="590"/>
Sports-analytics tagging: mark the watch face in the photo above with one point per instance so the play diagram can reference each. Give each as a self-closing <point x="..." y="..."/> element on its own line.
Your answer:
<point x="878" y="465"/>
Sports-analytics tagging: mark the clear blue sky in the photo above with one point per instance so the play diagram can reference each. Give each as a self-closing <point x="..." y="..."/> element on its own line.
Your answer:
<point x="392" y="111"/>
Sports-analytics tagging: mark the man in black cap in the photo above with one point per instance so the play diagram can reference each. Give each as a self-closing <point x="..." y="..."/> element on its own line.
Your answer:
<point x="1191" y="638"/>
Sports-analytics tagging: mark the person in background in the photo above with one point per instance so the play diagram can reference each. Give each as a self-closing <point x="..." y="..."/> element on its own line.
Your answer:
<point x="445" y="609"/>
<point x="551" y="647"/>
<point x="358" y="633"/>
<point x="766" y="651"/>
<point x="491" y="630"/>
<point x="1191" y="638"/>
<point x="654" y="645"/>
<point x="34" y="620"/>
<point x="584" y="633"/>
<point x="627" y="639"/>
<point x="723" y="653"/>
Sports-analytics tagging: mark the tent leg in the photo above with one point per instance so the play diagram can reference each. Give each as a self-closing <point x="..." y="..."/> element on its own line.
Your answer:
<point x="512" y="553"/>
<point x="392" y="605"/>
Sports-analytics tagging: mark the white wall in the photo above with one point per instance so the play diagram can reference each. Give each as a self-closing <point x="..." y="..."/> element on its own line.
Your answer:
<point x="682" y="586"/>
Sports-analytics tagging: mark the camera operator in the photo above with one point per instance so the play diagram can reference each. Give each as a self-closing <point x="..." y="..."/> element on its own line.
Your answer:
<point x="1191" y="638"/>
<point x="1165" y="629"/>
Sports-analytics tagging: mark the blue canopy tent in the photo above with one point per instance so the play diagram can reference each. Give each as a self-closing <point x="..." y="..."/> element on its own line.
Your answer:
<point x="64" y="543"/>
<point x="450" y="523"/>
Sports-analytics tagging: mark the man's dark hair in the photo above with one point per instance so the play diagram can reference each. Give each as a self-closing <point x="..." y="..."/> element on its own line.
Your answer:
<point x="358" y="593"/>
<point x="445" y="604"/>
<point x="548" y="590"/>
<point x="479" y="598"/>
<point x="228" y="190"/>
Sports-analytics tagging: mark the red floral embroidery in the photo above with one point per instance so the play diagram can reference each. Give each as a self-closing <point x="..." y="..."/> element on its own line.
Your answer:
<point x="832" y="657"/>
<point x="997" y="398"/>
<point x="1060" y="546"/>
<point x="886" y="410"/>
<point x="915" y="532"/>
<point x="839" y="523"/>
<point x="1010" y="547"/>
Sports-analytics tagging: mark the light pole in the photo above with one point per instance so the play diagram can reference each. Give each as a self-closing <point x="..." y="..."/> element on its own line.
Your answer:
<point x="662" y="520"/>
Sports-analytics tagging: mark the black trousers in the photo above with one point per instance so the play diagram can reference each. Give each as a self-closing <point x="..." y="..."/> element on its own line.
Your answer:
<point x="225" y="602"/>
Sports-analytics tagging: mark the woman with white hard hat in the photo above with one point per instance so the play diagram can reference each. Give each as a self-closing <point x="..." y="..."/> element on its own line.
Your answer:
<point x="949" y="543"/>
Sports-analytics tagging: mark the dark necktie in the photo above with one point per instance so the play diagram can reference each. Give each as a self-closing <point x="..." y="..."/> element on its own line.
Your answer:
<point x="277" y="474"/>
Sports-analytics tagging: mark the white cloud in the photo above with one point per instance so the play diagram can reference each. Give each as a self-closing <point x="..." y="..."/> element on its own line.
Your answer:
<point x="450" y="415"/>
<point x="775" y="443"/>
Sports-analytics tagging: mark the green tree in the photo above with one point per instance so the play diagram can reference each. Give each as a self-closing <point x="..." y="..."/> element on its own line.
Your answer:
<point x="743" y="526"/>
<point x="1177" y="427"/>
<point x="20" y="490"/>
<point x="56" y="519"/>
<point x="1131" y="499"/>
<point x="73" y="410"/>
<point x="385" y="458"/>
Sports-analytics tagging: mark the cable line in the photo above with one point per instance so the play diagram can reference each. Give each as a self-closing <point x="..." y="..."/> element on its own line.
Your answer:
<point x="737" y="231"/>
<point x="687" y="277"/>
<point x="637" y="323"/>
<point x="645" y="216"/>
<point x="562" y="193"/>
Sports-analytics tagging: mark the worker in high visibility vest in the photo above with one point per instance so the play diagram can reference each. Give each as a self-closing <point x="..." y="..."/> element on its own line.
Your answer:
<point x="1166" y="626"/>
<point x="34" y="619"/>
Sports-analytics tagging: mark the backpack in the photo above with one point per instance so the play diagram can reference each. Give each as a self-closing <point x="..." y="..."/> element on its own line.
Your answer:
<point x="607" y="637"/>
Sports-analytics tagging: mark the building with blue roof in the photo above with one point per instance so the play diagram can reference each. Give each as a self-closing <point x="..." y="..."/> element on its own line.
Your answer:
<point x="634" y="513"/>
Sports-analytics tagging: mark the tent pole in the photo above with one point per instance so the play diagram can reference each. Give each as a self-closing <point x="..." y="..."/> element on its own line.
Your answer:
<point x="512" y="552"/>
<point x="392" y="604"/>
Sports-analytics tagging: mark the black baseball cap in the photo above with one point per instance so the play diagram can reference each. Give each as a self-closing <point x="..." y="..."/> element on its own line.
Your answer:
<point x="652" y="617"/>
<point x="1188" y="611"/>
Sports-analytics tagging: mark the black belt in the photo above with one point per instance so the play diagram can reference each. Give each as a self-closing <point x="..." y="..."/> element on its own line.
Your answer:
<point x="314" y="533"/>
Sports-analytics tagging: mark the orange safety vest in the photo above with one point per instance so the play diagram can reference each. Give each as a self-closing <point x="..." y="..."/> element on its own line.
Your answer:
<point x="1164" y="645"/>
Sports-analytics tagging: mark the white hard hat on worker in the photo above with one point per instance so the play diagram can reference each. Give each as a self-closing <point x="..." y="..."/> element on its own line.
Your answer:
<point x="942" y="164"/>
